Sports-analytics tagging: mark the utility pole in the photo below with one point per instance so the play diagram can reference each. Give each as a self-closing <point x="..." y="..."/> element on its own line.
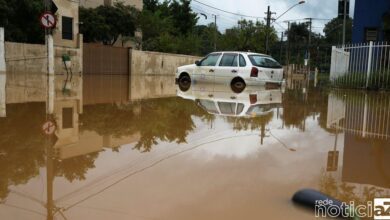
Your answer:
<point x="215" y="33"/>
<point x="281" y="46"/>
<point x="345" y="21"/>
<point x="268" y="19"/>
<point x="288" y="45"/>
<point x="310" y="29"/>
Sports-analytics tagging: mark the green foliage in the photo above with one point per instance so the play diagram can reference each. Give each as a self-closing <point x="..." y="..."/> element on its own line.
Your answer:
<point x="334" y="31"/>
<point x="247" y="36"/>
<point x="20" y="18"/>
<point x="107" y="23"/>
<point x="170" y="26"/>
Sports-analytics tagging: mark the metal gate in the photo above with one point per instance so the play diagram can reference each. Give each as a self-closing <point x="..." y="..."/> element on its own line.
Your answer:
<point x="106" y="74"/>
<point x="105" y="60"/>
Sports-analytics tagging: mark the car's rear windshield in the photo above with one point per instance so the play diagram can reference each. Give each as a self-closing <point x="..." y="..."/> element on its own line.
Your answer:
<point x="263" y="61"/>
<point x="259" y="109"/>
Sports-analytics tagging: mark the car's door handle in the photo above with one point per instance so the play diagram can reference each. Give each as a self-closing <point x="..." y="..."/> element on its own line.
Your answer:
<point x="234" y="71"/>
<point x="211" y="71"/>
<point x="211" y="96"/>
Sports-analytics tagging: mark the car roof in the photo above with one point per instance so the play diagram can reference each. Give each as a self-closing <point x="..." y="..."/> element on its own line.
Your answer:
<point x="242" y="52"/>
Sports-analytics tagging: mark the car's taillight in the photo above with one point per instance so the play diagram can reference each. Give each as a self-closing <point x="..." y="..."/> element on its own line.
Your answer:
<point x="253" y="99"/>
<point x="254" y="72"/>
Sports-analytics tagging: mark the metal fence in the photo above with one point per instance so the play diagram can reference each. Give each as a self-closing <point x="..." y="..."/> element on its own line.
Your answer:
<point x="360" y="114"/>
<point x="365" y="65"/>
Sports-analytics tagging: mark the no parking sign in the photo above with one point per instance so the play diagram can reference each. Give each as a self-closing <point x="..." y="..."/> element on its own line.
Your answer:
<point x="48" y="20"/>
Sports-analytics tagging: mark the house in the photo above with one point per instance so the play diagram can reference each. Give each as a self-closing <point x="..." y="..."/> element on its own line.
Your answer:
<point x="66" y="33"/>
<point x="369" y="20"/>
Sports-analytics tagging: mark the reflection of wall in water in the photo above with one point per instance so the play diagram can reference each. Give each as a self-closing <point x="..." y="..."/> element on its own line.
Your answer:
<point x="101" y="89"/>
<point x="366" y="161"/>
<point x="364" y="119"/>
<point x="365" y="115"/>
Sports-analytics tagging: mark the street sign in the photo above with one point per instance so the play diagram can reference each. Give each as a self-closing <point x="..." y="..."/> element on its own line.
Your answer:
<point x="48" y="20"/>
<point x="49" y="128"/>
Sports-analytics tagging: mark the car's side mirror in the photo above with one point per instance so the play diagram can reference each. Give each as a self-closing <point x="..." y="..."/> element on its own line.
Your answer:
<point x="197" y="63"/>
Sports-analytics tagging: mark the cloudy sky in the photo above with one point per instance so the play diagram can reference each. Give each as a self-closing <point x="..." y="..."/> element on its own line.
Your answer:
<point x="320" y="9"/>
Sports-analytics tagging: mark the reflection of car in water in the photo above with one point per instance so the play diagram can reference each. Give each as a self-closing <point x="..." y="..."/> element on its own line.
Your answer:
<point x="234" y="68"/>
<point x="219" y="99"/>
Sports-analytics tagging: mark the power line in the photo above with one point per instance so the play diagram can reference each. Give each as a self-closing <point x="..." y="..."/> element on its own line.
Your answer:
<point x="229" y="12"/>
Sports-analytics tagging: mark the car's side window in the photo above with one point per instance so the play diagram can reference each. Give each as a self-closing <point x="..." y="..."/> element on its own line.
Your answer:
<point x="211" y="60"/>
<point x="242" y="61"/>
<point x="229" y="60"/>
<point x="227" y="108"/>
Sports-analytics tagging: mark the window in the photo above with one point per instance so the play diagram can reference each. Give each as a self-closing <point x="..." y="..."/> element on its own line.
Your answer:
<point x="227" y="108"/>
<point x="266" y="62"/>
<point x="211" y="60"/>
<point x="229" y="60"/>
<point x="240" y="108"/>
<point x="67" y="28"/>
<point x="208" y="106"/>
<point x="371" y="34"/>
<point x="67" y="118"/>
<point x="242" y="61"/>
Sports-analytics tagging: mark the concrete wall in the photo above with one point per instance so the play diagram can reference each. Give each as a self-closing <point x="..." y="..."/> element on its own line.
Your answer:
<point x="26" y="71"/>
<point x="153" y="73"/>
<point x="3" y="77"/>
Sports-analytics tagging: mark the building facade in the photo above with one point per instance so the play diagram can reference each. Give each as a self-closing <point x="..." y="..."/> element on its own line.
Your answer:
<point x="369" y="19"/>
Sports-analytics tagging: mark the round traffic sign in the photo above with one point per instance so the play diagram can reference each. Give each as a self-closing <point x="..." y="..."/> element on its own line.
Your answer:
<point x="48" y="20"/>
<point x="49" y="128"/>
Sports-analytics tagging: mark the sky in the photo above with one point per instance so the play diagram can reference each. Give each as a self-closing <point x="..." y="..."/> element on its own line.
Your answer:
<point x="320" y="9"/>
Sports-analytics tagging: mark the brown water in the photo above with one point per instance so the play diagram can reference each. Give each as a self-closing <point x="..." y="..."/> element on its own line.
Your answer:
<point x="150" y="151"/>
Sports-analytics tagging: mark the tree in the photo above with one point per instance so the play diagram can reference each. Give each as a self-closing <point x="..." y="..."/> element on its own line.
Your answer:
<point x="108" y="23"/>
<point x="20" y="18"/>
<point x="248" y="36"/>
<point x="334" y="31"/>
<point x="184" y="20"/>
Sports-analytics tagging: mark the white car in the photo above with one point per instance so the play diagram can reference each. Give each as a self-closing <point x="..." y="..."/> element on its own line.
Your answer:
<point x="234" y="68"/>
<point x="219" y="99"/>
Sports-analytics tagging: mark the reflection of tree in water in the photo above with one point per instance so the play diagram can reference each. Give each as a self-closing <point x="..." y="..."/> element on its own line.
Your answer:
<point x="75" y="168"/>
<point x="22" y="144"/>
<point x="23" y="148"/>
<point x="252" y="123"/>
<point x="297" y="107"/>
<point x="155" y="120"/>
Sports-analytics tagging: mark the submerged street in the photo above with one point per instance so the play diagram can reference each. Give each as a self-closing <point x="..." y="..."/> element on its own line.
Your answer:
<point x="162" y="152"/>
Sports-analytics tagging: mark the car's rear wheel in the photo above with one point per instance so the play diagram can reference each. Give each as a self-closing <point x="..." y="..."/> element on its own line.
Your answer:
<point x="184" y="82"/>
<point x="238" y="85"/>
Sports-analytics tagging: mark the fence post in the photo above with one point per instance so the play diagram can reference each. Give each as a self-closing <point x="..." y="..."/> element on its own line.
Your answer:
<point x="369" y="63"/>
<point x="2" y="75"/>
<point x="333" y="64"/>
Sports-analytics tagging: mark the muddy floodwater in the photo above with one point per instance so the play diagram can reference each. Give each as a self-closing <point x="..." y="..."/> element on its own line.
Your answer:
<point x="110" y="147"/>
